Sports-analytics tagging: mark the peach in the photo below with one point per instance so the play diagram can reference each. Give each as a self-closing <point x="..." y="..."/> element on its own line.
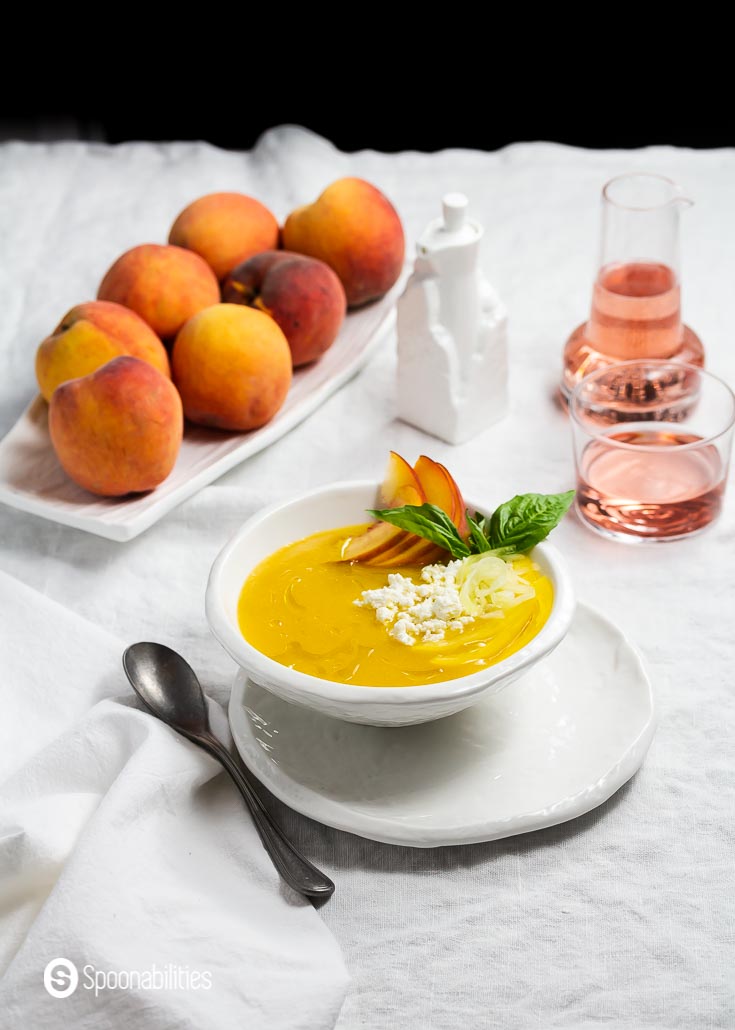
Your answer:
<point x="356" y="230"/>
<point x="376" y="541"/>
<point x="416" y="552"/>
<point x="89" y="336"/>
<point x="441" y="489"/>
<point x="117" y="430"/>
<point x="383" y="544"/>
<point x="225" y="229"/>
<point x="302" y="294"/>
<point x="232" y="365"/>
<point x="400" y="484"/>
<point x="164" y="285"/>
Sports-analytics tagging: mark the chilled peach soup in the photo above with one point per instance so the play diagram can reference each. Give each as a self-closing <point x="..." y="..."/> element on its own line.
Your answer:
<point x="298" y="608"/>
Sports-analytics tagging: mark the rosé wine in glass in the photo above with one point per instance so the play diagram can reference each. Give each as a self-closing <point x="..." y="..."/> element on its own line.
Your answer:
<point x="655" y="484"/>
<point x="651" y="459"/>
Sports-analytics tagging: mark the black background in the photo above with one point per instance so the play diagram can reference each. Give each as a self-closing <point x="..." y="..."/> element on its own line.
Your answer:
<point x="118" y="125"/>
<point x="599" y="79"/>
<point x="399" y="123"/>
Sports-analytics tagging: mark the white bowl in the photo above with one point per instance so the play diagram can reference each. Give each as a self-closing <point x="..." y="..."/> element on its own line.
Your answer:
<point x="342" y="505"/>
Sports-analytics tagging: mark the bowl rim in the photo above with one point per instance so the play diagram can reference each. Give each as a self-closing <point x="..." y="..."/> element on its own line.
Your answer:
<point x="271" y="673"/>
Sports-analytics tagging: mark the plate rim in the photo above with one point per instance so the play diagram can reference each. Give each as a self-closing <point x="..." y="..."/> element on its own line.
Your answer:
<point x="378" y="828"/>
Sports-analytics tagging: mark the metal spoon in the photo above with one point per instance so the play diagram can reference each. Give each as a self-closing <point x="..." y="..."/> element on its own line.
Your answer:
<point x="168" y="687"/>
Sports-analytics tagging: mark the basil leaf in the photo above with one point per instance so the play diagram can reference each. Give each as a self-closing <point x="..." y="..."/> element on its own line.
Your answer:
<point x="514" y="527"/>
<point x="483" y="521"/>
<point x="477" y="540"/>
<point x="527" y="519"/>
<point x="427" y="521"/>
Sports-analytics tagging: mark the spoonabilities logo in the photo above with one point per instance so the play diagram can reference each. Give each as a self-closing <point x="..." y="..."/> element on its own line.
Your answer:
<point x="60" y="978"/>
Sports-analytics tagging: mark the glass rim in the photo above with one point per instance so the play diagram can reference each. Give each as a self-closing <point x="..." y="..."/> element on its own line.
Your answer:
<point x="595" y="433"/>
<point x="677" y="195"/>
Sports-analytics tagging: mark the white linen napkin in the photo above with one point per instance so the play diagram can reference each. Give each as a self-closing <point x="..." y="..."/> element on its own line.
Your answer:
<point x="126" y="851"/>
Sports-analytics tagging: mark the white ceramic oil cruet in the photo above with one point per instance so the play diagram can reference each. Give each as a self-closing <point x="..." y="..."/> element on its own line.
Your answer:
<point x="452" y="351"/>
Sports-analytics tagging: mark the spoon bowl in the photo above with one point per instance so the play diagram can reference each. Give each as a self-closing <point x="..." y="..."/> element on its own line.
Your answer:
<point x="168" y="686"/>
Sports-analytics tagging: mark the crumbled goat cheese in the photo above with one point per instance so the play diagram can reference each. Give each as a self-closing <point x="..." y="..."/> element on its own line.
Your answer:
<point x="412" y="611"/>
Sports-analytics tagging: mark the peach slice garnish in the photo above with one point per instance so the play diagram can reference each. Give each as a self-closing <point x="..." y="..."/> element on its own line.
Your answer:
<point x="375" y="541"/>
<point x="384" y="545"/>
<point x="417" y="552"/>
<point x="440" y="489"/>
<point x="400" y="484"/>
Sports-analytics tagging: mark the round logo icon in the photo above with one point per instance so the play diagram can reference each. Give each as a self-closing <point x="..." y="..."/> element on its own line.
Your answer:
<point x="60" y="978"/>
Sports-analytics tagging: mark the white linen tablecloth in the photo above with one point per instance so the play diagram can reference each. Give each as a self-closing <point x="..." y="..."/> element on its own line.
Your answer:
<point x="124" y="850"/>
<point x="623" y="918"/>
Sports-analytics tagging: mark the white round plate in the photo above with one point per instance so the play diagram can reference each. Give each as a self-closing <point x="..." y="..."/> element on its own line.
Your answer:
<point x="555" y="744"/>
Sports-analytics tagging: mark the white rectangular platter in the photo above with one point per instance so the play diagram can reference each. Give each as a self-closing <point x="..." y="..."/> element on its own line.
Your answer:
<point x="32" y="480"/>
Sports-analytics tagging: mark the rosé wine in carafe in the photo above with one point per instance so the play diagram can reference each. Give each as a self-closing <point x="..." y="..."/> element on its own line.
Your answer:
<point x="636" y="300"/>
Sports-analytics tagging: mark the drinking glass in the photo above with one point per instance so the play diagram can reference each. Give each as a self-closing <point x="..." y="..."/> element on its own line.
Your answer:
<point x="652" y="442"/>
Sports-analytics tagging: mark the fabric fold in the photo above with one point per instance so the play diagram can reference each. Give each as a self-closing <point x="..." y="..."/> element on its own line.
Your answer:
<point x="126" y="852"/>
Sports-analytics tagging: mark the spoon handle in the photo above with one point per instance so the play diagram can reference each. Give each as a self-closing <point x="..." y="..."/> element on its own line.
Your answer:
<point x="297" y="871"/>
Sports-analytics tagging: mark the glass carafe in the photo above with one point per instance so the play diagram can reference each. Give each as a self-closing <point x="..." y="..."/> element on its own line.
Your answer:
<point x="636" y="300"/>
